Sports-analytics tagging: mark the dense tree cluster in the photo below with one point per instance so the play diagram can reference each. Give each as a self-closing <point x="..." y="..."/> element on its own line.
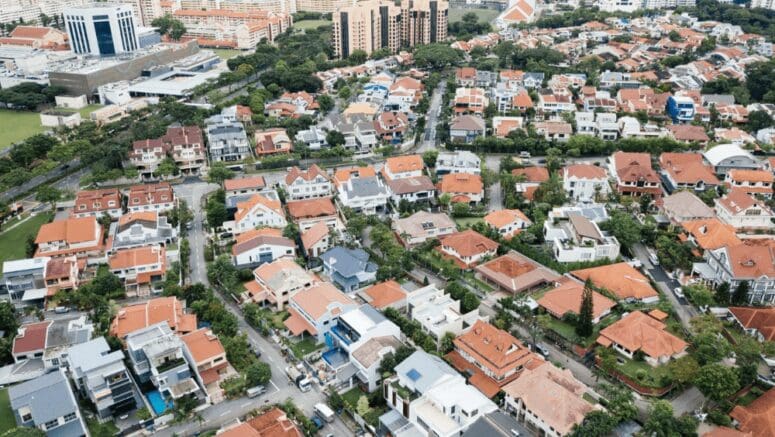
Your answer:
<point x="469" y="26"/>
<point x="29" y="95"/>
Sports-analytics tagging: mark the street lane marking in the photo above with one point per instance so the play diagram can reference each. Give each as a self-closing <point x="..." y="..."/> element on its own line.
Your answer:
<point x="270" y="358"/>
<point x="273" y="385"/>
<point x="246" y="404"/>
<point x="223" y="414"/>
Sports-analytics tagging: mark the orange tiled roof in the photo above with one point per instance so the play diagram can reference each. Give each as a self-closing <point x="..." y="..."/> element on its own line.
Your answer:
<point x="243" y="208"/>
<point x="385" y="294"/>
<point x="33" y="339"/>
<point x="711" y="234"/>
<point x="468" y="243"/>
<point x="136" y="257"/>
<point x="71" y="230"/>
<point x="532" y="174"/>
<point x="760" y="319"/>
<point x="244" y="183"/>
<point x="637" y="331"/>
<point x="403" y="164"/>
<point x="308" y="175"/>
<point x="461" y="183"/>
<point x="203" y="345"/>
<point x="274" y="423"/>
<point x="316" y="299"/>
<point x="505" y="217"/>
<point x="740" y="175"/>
<point x="567" y="299"/>
<point x="313" y="235"/>
<point x="758" y="417"/>
<point x="137" y="316"/>
<point x="308" y="208"/>
<point x="585" y="171"/>
<point x="621" y="279"/>
<point x="687" y="168"/>
<point x="494" y="349"/>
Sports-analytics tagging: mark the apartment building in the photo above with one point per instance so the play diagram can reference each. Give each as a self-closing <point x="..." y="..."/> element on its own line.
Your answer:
<point x="423" y="21"/>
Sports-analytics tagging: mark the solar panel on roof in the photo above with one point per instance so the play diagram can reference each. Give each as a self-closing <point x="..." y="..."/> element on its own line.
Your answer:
<point x="414" y="375"/>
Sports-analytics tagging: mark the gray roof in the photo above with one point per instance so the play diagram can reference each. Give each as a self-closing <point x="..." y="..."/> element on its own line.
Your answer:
<point x="685" y="204"/>
<point x="494" y="424"/>
<point x="424" y="369"/>
<point x="364" y="187"/>
<point x="65" y="333"/>
<point x="348" y="262"/>
<point x="414" y="184"/>
<point x="48" y="397"/>
<point x="94" y="355"/>
<point x="467" y="122"/>
<point x="398" y="426"/>
<point x="723" y="99"/>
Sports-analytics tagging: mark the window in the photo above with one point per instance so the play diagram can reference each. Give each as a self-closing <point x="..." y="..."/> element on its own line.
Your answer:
<point x="51" y="424"/>
<point x="70" y="417"/>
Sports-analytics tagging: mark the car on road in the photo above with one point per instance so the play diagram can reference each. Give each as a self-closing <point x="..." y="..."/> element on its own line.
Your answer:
<point x="256" y="391"/>
<point x="317" y="421"/>
<point x="678" y="291"/>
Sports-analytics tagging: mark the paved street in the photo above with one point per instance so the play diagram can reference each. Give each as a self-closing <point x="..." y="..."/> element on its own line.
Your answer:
<point x="431" y="119"/>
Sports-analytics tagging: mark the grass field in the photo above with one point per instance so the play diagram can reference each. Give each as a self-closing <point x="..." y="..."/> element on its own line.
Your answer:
<point x="13" y="242"/>
<point x="310" y="24"/>
<point x="16" y="126"/>
<point x="467" y="222"/>
<point x="6" y="415"/>
<point x="456" y="14"/>
<point x="88" y="109"/>
<point x="226" y="53"/>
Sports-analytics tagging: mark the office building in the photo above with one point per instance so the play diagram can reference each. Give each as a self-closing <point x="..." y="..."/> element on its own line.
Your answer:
<point x="101" y="29"/>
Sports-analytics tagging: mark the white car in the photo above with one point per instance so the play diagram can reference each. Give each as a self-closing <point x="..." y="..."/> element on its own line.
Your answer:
<point x="678" y="291"/>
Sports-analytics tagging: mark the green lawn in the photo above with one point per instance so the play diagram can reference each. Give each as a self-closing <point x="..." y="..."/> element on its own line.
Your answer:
<point x="310" y="24"/>
<point x="351" y="397"/>
<point x="13" y="242"/>
<point x="643" y="373"/>
<point x="467" y="222"/>
<point x="226" y="53"/>
<point x="16" y="126"/>
<point x="96" y="429"/>
<point x="88" y="109"/>
<point x="456" y="14"/>
<point x="304" y="347"/>
<point x="7" y="420"/>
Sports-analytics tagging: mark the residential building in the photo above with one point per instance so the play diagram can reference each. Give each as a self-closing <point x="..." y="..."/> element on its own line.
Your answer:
<point x="725" y="157"/>
<point x="528" y="179"/>
<point x="492" y="357"/>
<point x="316" y="240"/>
<point x="272" y="142"/>
<point x="95" y="203"/>
<point x="244" y="186"/>
<point x="710" y="234"/>
<point x="151" y="197"/>
<point x="683" y="206"/>
<point x="137" y="316"/>
<point x="548" y="399"/>
<point x="361" y="190"/>
<point x="567" y="298"/>
<point x="22" y="275"/>
<point x="187" y="148"/>
<point x="307" y="213"/>
<point x="369" y="26"/>
<point x="550" y="102"/>
<point x="49" y="340"/>
<point x="208" y="359"/>
<point x="634" y="175"/>
<point x="503" y="126"/>
<point x="400" y="167"/>
<point x="306" y="184"/>
<point x="391" y="127"/>
<point x="315" y="310"/>
<point x="412" y="189"/>
<point x="101" y="29"/>
<point x="508" y="222"/>
<point x="314" y="138"/>
<point x="258" y="211"/>
<point x="422" y="226"/>
<point x="257" y="246"/>
<point x="221" y="27"/>
<point x="515" y="273"/>
<point x="277" y="281"/>
<point x="686" y="170"/>
<point x="48" y="404"/>
<point x="585" y="182"/>
<point x="438" y="313"/>
<point x="744" y="211"/>
<point x="576" y="238"/>
<point x="466" y="128"/>
<point x="680" y="109"/>
<point x="496" y="423"/>
<point x="638" y="332"/>
<point x="688" y="133"/>
<point x="433" y="397"/>
<point x="292" y="105"/>
<point x="274" y="422"/>
<point x="751" y="182"/>
<point x="101" y="376"/>
<point x="388" y="294"/>
<point x="750" y="261"/>
<point x="81" y="237"/>
<point x="460" y="161"/>
<point x="470" y="101"/>
<point x="157" y="355"/>
<point x="141" y="269"/>
<point x="462" y="187"/>
<point x="756" y="322"/>
<point x="621" y="280"/>
<point x="349" y="269"/>
<point x="554" y="130"/>
<point x="755" y="418"/>
<point x="423" y="22"/>
<point x="142" y="229"/>
<point x="146" y="155"/>
<point x="226" y="139"/>
<point x="467" y="248"/>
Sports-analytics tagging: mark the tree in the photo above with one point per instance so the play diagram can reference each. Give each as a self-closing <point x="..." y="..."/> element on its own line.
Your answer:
<point x="219" y="173"/>
<point x="169" y="26"/>
<point x="345" y="92"/>
<point x="446" y="343"/>
<point x="436" y="56"/>
<point x="584" y="325"/>
<point x="167" y="167"/>
<point x="143" y="414"/>
<point x="445" y="199"/>
<point x="595" y="424"/>
<point x="325" y="102"/>
<point x="716" y="381"/>
<point x="621" y="403"/>
<point x="722" y="294"/>
<point x="357" y="57"/>
<point x="741" y="293"/>
<point x="624" y="228"/>
<point x="759" y="120"/>
<point x="335" y="138"/>
<point x="470" y="302"/>
<point x="258" y="374"/>
<point x="710" y="347"/>
<point x="429" y="157"/>
<point x="48" y="194"/>
<point x="216" y="213"/>
<point x="363" y="405"/>
<point x="662" y="423"/>
<point x="335" y="401"/>
<point x="683" y="370"/>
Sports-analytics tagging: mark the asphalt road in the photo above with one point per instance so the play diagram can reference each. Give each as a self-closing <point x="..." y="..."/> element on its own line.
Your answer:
<point x="431" y="119"/>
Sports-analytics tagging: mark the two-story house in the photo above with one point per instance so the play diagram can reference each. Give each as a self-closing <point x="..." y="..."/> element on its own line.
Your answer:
<point x="576" y="238"/>
<point x="349" y="269"/>
<point x="48" y="404"/>
<point x="585" y="182"/>
<point x="151" y="197"/>
<point x="467" y="248"/>
<point x="422" y="226"/>
<point x="258" y="246"/>
<point x="142" y="229"/>
<point x="257" y="211"/>
<point x="226" y="139"/>
<point x="634" y="175"/>
<point x="459" y="161"/>
<point x="81" y="237"/>
<point x="315" y="310"/>
<point x="305" y="184"/>
<point x="95" y="203"/>
<point x="139" y="268"/>
<point x="187" y="148"/>
<point x="277" y="281"/>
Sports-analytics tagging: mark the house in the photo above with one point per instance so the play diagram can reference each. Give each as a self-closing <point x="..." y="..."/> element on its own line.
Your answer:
<point x="47" y="342"/>
<point x="467" y="248"/>
<point x="508" y="222"/>
<point x="470" y="101"/>
<point x="465" y="76"/>
<point x="634" y="175"/>
<point x="438" y="313"/>
<point x="244" y="186"/>
<point x="637" y="332"/>
<point x="137" y="316"/>
<point x="38" y="37"/>
<point x="137" y="229"/>
<point x="316" y="240"/>
<point x="460" y="161"/>
<point x="686" y="170"/>
<point x="141" y="269"/>
<point x="275" y="282"/>
<point x="555" y="102"/>
<point x="313" y="137"/>
<point x="305" y="184"/>
<point x="226" y="139"/>
<point x="752" y="182"/>
<point x="47" y="403"/>
<point x="274" y="422"/>
<point x="725" y="157"/>
<point x="744" y="211"/>
<point x="683" y="206"/>
<point x="433" y="398"/>
<point x="292" y="105"/>
<point x="751" y="261"/>
<point x="515" y="273"/>
<point x="710" y="233"/>
<point x="548" y="399"/>
<point x="756" y="322"/>
<point x="400" y="167"/>
<point x="34" y="279"/>
<point x="361" y="190"/>
<point x="756" y="418"/>
<point x="466" y="128"/>
<point x="157" y="356"/>
<point x="688" y="133"/>
<point x="620" y="280"/>
<point x="558" y="131"/>
<point x="576" y="238"/>
<point x="146" y="155"/>
<point x="462" y="187"/>
<point x="567" y="297"/>
<point x="80" y="237"/>
<point x="272" y="142"/>
<point x="309" y="212"/>
<point x="95" y="203"/>
<point x="528" y="179"/>
<point x="680" y="109"/>
<point x="411" y="189"/>
<point x="186" y="144"/>
<point x="422" y="226"/>
<point x="391" y="127"/>
<point x="492" y="357"/>
<point x="101" y="376"/>
<point x="315" y="309"/>
<point x="585" y="182"/>
<point x="258" y="211"/>
<point x="350" y="269"/>
<point x="387" y="294"/>
<point x="503" y="126"/>
<point x="208" y="358"/>
<point x="601" y="125"/>
<point x="258" y="246"/>
<point x="151" y="197"/>
<point x="496" y="423"/>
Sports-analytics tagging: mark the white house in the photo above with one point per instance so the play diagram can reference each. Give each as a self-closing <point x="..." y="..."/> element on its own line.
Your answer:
<point x="461" y="161"/>
<point x="366" y="195"/>
<point x="585" y="182"/>
<point x="258" y="246"/>
<point x="313" y="182"/>
<point x="258" y="211"/>
<point x="744" y="211"/>
<point x="142" y="229"/>
<point x="576" y="238"/>
<point x="438" y="313"/>
<point x="725" y="157"/>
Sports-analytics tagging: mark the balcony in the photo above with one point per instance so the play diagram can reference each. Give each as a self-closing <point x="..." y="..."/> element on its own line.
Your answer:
<point x="169" y="365"/>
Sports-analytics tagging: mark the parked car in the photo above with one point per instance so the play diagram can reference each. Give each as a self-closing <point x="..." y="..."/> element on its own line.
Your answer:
<point x="678" y="291"/>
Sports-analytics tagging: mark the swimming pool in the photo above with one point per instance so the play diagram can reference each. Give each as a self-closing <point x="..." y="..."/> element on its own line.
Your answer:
<point x="157" y="402"/>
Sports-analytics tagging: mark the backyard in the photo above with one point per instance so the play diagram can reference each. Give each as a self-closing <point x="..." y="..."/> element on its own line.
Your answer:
<point x="304" y="347"/>
<point x="16" y="126"/>
<point x="456" y="14"/>
<point x="642" y="373"/>
<point x="13" y="241"/>
<point x="7" y="420"/>
<point x="467" y="222"/>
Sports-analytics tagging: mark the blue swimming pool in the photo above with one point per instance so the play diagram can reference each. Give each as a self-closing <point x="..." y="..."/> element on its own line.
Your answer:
<point x="157" y="401"/>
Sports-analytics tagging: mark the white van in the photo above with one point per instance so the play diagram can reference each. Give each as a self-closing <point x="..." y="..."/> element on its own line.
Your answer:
<point x="256" y="391"/>
<point x="324" y="412"/>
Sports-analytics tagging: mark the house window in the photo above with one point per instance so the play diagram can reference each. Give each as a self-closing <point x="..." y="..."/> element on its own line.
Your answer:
<point x="70" y="417"/>
<point x="51" y="424"/>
